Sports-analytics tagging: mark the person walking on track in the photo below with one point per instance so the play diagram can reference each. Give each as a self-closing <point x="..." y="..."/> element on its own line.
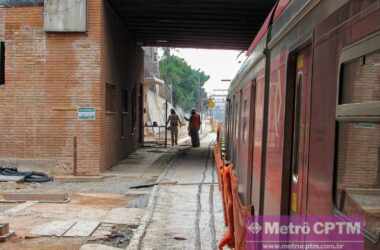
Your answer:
<point x="194" y="127"/>
<point x="174" y="122"/>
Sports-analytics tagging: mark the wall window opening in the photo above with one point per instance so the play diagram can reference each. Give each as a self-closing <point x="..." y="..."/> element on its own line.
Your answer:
<point x="2" y="63"/>
<point x="110" y="97"/>
<point x="357" y="185"/>
<point x="124" y="112"/>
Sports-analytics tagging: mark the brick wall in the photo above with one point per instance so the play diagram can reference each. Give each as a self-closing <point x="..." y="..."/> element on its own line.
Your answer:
<point x="2" y="14"/>
<point x="123" y="73"/>
<point x="48" y="76"/>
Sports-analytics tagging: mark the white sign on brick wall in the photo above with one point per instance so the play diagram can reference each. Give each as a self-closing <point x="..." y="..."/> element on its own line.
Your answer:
<point x="86" y="114"/>
<point x="65" y="15"/>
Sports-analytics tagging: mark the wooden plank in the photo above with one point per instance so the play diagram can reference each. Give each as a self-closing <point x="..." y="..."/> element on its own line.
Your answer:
<point x="82" y="229"/>
<point x="6" y="178"/>
<point x="56" y="197"/>
<point x="54" y="228"/>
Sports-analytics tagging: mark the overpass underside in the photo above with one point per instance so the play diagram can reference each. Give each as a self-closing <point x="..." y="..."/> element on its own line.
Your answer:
<point x="85" y="57"/>
<point x="221" y="24"/>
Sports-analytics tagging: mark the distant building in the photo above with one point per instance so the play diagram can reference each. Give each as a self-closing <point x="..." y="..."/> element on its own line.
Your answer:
<point x="157" y="97"/>
<point x="68" y="74"/>
<point x="220" y="98"/>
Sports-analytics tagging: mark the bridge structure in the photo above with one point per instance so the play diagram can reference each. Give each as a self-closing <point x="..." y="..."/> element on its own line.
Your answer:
<point x="222" y="24"/>
<point x="98" y="43"/>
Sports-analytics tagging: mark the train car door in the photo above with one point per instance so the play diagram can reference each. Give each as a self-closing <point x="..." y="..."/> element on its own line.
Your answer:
<point x="300" y="135"/>
<point x="245" y="145"/>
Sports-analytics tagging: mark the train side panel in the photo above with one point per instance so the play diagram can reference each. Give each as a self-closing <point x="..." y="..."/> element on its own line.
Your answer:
<point x="274" y="155"/>
<point x="257" y="140"/>
<point x="344" y="155"/>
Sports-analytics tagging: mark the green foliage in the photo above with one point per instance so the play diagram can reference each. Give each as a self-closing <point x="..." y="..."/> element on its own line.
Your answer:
<point x="185" y="81"/>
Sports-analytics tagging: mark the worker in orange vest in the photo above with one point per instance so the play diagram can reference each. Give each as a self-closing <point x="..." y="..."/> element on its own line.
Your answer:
<point x="194" y="127"/>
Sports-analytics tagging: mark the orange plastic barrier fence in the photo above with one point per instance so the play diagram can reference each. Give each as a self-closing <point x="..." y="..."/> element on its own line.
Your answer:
<point x="229" y="236"/>
<point x="218" y="131"/>
<point x="219" y="165"/>
<point x="235" y="213"/>
<point x="241" y="214"/>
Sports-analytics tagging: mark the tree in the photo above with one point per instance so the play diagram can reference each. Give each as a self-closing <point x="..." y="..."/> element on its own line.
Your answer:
<point x="186" y="82"/>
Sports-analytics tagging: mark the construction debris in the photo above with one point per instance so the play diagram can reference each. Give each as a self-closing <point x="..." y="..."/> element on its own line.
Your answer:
<point x="117" y="235"/>
<point x="22" y="197"/>
<point x="153" y="184"/>
<point x="30" y="176"/>
<point x="4" y="232"/>
<point x="102" y="232"/>
<point x="179" y="238"/>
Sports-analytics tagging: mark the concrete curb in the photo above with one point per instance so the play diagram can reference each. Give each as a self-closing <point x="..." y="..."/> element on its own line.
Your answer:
<point x="135" y="243"/>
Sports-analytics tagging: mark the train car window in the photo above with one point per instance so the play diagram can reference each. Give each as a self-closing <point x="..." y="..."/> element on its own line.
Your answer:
<point x="237" y="117"/>
<point x="357" y="181"/>
<point x="233" y="138"/>
<point x="297" y="125"/>
<point x="245" y="123"/>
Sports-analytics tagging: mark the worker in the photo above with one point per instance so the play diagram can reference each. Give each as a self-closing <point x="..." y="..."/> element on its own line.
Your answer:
<point x="174" y="122"/>
<point x="194" y="126"/>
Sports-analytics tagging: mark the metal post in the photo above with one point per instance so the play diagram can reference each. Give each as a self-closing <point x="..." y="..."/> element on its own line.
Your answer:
<point x="200" y="101"/>
<point x="166" y="118"/>
<point x="75" y="156"/>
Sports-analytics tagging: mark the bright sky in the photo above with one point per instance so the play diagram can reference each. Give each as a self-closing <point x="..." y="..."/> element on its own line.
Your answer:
<point x="218" y="64"/>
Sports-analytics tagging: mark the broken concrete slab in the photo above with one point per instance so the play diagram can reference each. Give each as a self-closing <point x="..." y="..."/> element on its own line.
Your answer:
<point x="102" y="232"/>
<point x="139" y="202"/>
<point x="82" y="229"/>
<point x="19" y="208"/>
<point x="127" y="216"/>
<point x="56" y="197"/>
<point x="6" y="178"/>
<point x="54" y="228"/>
<point x="98" y="247"/>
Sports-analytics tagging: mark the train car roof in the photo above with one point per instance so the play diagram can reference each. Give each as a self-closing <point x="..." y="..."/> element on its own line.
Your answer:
<point x="275" y="13"/>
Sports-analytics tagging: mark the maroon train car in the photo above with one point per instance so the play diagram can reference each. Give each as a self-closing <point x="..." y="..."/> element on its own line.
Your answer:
<point x="303" y="113"/>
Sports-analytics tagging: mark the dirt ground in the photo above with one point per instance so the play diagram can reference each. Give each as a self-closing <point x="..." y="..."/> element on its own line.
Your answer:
<point x="91" y="200"/>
